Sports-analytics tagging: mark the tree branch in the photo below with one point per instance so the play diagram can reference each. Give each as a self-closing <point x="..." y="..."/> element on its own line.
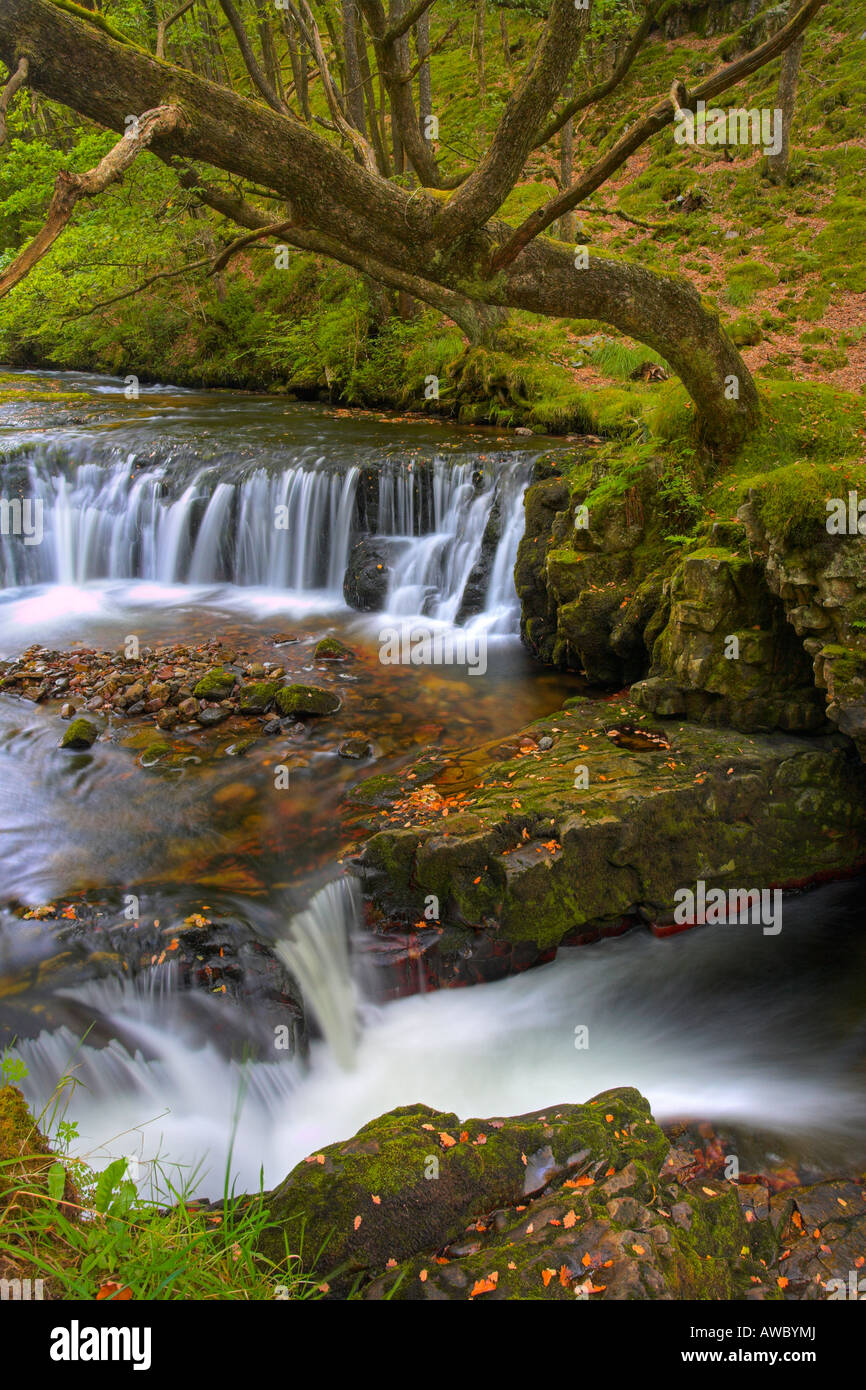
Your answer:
<point x="18" y="78"/>
<point x="164" y="25"/>
<point x="655" y="120"/>
<point x="250" y="61"/>
<point x="405" y="22"/>
<point x="602" y="89"/>
<point x="484" y="192"/>
<point x="69" y="189"/>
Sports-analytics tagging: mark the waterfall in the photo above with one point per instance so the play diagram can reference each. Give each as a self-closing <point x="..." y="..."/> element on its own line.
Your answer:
<point x="316" y="952"/>
<point x="111" y="515"/>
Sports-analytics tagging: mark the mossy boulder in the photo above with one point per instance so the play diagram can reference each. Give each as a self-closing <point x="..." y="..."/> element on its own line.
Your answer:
<point x="215" y="684"/>
<point x="332" y="649"/>
<point x="257" y="696"/>
<point x="582" y="1207"/>
<point x="589" y="834"/>
<point x="80" y="734"/>
<point x="306" y="699"/>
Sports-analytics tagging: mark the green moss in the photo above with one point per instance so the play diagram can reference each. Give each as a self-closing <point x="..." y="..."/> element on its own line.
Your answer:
<point x="306" y="699"/>
<point x="215" y="684"/>
<point x="80" y="734"/>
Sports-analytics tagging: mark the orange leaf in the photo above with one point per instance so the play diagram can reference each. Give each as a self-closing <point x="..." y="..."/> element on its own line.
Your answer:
<point x="569" y="1219"/>
<point x="547" y="1275"/>
<point x="485" y="1285"/>
<point x="111" y="1289"/>
<point x="446" y="1141"/>
<point x="357" y="1221"/>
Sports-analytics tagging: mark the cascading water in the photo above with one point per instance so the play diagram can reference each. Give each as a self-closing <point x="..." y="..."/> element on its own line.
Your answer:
<point x="115" y="516"/>
<point x="316" y="952"/>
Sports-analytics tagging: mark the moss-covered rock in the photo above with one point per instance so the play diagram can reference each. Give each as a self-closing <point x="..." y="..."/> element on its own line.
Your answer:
<point x="581" y="1207"/>
<point x="306" y="699"/>
<point x="216" y="684"/>
<point x="80" y="734"/>
<point x="257" y="696"/>
<point x="588" y="834"/>
<point x="332" y="649"/>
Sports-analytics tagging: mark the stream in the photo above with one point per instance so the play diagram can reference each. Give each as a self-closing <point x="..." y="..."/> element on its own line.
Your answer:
<point x="159" y="523"/>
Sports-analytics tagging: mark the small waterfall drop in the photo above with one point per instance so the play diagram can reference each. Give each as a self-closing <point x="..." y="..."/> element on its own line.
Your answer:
<point x="316" y="952"/>
<point x="108" y="515"/>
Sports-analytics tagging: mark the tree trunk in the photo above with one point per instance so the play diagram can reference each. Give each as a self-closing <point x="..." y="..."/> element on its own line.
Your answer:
<point x="480" y="16"/>
<point x="776" y="166"/>
<point x="354" y="79"/>
<point x="340" y="209"/>
<point x="425" y="84"/>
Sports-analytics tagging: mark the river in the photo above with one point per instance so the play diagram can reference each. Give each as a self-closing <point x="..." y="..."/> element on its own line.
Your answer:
<point x="159" y="524"/>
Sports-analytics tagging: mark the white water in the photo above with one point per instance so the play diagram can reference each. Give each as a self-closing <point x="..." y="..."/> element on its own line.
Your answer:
<point x="718" y="1023"/>
<point x="116" y="517"/>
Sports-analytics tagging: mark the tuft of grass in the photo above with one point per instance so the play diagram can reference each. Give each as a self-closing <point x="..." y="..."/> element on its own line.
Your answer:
<point x="88" y="1233"/>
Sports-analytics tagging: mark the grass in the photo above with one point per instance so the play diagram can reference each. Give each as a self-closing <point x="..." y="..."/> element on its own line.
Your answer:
<point x="89" y="1234"/>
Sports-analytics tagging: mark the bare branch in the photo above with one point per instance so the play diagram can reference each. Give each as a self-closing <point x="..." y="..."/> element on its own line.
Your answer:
<point x="405" y="22"/>
<point x="69" y="189"/>
<point x="18" y="78"/>
<point x="164" y="25"/>
<point x="655" y="120"/>
<point x="250" y="61"/>
<point x="489" y="185"/>
<point x="600" y="90"/>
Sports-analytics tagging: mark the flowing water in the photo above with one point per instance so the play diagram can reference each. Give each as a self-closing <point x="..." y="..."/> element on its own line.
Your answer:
<point x="183" y="516"/>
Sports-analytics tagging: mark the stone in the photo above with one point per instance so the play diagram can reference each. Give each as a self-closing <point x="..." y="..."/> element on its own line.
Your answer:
<point x="257" y="697"/>
<point x="80" y="734"/>
<point x="306" y="699"/>
<point x="216" y="684"/>
<point x="354" y="748"/>
<point x="331" y="649"/>
<point x="365" y="583"/>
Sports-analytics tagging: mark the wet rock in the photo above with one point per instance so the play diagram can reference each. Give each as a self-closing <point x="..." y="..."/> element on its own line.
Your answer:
<point x="306" y="699"/>
<point x="212" y="715"/>
<point x="237" y="750"/>
<point x="257" y="697"/>
<point x="331" y="649"/>
<point x="273" y="726"/>
<point x="354" y="748"/>
<point x="475" y="589"/>
<point x="560" y="1203"/>
<point x="216" y="684"/>
<point x="80" y="734"/>
<point x="167" y="718"/>
<point x="188" y="708"/>
<point x="67" y="711"/>
<point x="365" y="583"/>
<point x="525" y="862"/>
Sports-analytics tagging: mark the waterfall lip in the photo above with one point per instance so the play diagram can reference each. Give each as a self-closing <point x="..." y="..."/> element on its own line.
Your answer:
<point x="112" y="514"/>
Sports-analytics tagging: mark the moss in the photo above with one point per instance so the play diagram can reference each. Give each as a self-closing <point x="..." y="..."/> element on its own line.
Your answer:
<point x="331" y="649"/>
<point x="215" y="684"/>
<point x="306" y="699"/>
<point x="257" y="696"/>
<point x="80" y="734"/>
